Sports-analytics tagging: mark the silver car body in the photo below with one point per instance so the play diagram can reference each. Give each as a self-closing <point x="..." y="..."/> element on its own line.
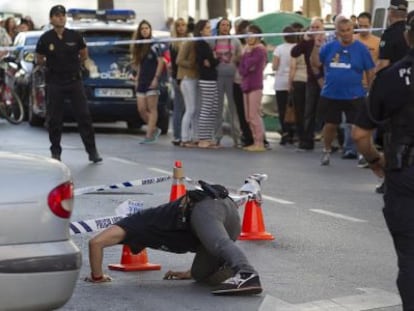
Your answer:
<point x="39" y="264"/>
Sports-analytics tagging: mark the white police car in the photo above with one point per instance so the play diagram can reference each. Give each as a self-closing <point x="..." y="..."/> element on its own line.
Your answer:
<point x="39" y="263"/>
<point x="109" y="88"/>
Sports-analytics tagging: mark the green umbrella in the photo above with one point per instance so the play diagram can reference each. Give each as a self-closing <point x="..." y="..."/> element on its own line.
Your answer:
<point x="275" y="22"/>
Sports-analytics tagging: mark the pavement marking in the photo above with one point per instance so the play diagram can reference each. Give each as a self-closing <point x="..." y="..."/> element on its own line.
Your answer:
<point x="159" y="170"/>
<point x="120" y="160"/>
<point x="370" y="299"/>
<point x="336" y="215"/>
<point x="277" y="200"/>
<point x="266" y="197"/>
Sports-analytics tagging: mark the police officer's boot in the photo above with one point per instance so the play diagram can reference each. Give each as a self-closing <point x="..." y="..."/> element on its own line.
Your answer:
<point x="94" y="157"/>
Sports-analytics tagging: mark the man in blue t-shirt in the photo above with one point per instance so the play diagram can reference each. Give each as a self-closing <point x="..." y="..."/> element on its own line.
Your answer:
<point x="344" y="61"/>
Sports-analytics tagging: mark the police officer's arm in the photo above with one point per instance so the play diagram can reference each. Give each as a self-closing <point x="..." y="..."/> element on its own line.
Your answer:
<point x="83" y="55"/>
<point x="365" y="145"/>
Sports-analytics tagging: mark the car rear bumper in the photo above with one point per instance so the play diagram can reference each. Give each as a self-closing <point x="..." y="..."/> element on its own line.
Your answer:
<point x="39" y="275"/>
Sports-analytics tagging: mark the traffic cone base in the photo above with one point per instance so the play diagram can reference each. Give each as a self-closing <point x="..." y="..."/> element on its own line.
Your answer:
<point x="253" y="227"/>
<point x="256" y="236"/>
<point x="131" y="262"/>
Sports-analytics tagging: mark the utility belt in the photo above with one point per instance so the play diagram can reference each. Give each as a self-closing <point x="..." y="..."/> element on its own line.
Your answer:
<point x="192" y="197"/>
<point x="63" y="78"/>
<point x="398" y="156"/>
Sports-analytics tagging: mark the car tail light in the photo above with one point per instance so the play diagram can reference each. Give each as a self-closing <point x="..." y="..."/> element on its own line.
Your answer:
<point x="59" y="200"/>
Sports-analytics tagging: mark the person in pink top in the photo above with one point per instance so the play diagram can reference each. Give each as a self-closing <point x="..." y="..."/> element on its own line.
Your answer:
<point x="251" y="68"/>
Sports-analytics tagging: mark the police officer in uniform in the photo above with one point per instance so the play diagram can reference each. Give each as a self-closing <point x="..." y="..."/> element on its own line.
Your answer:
<point x="63" y="51"/>
<point x="393" y="46"/>
<point x="391" y="105"/>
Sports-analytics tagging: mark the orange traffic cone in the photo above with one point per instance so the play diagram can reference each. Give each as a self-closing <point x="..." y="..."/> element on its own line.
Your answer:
<point x="178" y="186"/>
<point x="131" y="262"/>
<point x="253" y="227"/>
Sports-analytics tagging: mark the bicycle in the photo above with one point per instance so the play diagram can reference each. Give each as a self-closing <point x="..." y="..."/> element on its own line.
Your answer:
<point x="11" y="106"/>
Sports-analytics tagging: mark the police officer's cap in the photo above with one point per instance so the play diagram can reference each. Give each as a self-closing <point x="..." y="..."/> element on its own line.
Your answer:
<point x="400" y="5"/>
<point x="57" y="9"/>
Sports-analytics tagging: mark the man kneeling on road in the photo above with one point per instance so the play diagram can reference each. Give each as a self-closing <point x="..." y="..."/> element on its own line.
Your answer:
<point x="204" y="221"/>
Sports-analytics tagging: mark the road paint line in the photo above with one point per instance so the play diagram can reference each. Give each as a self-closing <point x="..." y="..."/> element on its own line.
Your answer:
<point x="123" y="161"/>
<point x="159" y="170"/>
<point x="336" y="215"/>
<point x="277" y="200"/>
<point x="370" y="299"/>
<point x="266" y="197"/>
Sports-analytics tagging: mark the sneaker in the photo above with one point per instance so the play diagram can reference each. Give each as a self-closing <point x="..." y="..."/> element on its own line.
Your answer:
<point x="176" y="141"/>
<point x="380" y="189"/>
<point x="349" y="156"/>
<point x="157" y="133"/>
<point x="147" y="141"/>
<point x="325" y="159"/>
<point x="240" y="284"/>
<point x="362" y="163"/>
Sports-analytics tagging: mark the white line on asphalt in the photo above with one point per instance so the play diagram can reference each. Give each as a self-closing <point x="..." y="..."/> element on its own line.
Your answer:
<point x="120" y="160"/>
<point x="266" y="197"/>
<point x="159" y="170"/>
<point x="336" y="215"/>
<point x="277" y="200"/>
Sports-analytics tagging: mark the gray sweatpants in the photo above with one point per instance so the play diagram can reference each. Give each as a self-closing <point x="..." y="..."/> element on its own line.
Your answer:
<point x="217" y="225"/>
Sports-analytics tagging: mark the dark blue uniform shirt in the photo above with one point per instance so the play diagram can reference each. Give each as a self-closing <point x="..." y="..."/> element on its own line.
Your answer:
<point x="389" y="92"/>
<point x="393" y="45"/>
<point x="62" y="55"/>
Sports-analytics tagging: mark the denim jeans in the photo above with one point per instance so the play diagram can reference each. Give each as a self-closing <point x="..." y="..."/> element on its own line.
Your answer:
<point x="178" y="110"/>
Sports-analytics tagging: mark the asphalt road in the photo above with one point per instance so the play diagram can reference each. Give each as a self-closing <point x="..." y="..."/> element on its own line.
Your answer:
<point x="331" y="251"/>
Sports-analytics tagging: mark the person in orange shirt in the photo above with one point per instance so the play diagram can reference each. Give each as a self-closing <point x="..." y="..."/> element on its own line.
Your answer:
<point x="371" y="41"/>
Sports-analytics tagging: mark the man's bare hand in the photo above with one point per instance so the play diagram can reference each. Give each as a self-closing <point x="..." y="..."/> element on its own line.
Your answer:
<point x="177" y="275"/>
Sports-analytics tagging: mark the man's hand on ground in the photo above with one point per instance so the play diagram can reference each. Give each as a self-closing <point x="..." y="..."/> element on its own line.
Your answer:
<point x="177" y="275"/>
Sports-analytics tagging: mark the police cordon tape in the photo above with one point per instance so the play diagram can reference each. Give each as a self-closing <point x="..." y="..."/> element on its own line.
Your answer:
<point x="171" y="39"/>
<point x="129" y="207"/>
<point x="125" y="184"/>
<point x="250" y="190"/>
<point x="126" y="208"/>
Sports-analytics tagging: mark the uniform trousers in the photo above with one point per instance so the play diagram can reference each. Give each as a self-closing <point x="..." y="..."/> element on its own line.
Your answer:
<point x="74" y="91"/>
<point x="399" y="215"/>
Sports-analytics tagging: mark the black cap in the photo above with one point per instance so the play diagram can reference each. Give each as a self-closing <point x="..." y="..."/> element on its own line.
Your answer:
<point x="400" y="5"/>
<point x="57" y="9"/>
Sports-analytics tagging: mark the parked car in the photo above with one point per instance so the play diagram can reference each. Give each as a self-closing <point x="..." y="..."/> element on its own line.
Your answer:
<point x="109" y="89"/>
<point x="39" y="263"/>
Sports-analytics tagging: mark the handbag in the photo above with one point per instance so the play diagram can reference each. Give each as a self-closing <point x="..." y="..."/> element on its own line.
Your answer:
<point x="290" y="112"/>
